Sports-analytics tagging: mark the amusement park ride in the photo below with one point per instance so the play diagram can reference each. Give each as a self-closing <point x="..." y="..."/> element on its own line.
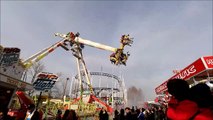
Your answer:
<point x="70" y="42"/>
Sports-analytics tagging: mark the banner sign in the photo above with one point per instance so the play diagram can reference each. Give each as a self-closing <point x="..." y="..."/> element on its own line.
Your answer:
<point x="15" y="82"/>
<point x="9" y="56"/>
<point x="45" y="81"/>
<point x="9" y="62"/>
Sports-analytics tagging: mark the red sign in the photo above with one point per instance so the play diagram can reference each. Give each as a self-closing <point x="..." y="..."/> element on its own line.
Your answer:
<point x="209" y="61"/>
<point x="47" y="76"/>
<point x="11" y="50"/>
<point x="193" y="69"/>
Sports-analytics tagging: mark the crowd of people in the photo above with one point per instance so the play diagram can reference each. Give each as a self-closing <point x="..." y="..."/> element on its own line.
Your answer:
<point x="68" y="115"/>
<point x="154" y="113"/>
<point x="195" y="103"/>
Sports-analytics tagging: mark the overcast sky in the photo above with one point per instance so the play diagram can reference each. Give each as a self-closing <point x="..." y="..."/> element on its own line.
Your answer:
<point x="167" y="35"/>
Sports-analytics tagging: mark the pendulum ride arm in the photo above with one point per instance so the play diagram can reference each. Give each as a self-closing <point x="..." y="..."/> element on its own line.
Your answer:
<point x="74" y="38"/>
<point x="38" y="56"/>
<point x="118" y="57"/>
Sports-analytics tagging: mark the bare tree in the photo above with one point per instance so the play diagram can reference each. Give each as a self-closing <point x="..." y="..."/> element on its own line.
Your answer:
<point x="61" y="87"/>
<point x="34" y="70"/>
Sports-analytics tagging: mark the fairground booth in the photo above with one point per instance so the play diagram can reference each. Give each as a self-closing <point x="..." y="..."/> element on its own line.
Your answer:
<point x="200" y="70"/>
<point x="11" y="85"/>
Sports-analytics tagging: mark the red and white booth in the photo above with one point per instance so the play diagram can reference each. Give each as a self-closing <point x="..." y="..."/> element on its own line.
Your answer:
<point x="199" y="71"/>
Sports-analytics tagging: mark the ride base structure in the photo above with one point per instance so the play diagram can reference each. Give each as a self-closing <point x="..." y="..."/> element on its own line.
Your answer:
<point x="117" y="58"/>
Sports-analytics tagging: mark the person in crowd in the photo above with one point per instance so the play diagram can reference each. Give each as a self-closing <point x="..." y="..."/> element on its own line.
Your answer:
<point x="72" y="115"/>
<point x="32" y="113"/>
<point x="155" y="112"/>
<point x="103" y="115"/>
<point x="146" y="113"/>
<point x="58" y="115"/>
<point x="1" y="115"/>
<point x="121" y="115"/>
<point x="4" y="109"/>
<point x="133" y="113"/>
<point x="113" y="58"/>
<point x="128" y="115"/>
<point x="66" y="115"/>
<point x="137" y="112"/>
<point x="141" y="115"/>
<point x="201" y="94"/>
<point x="116" y="115"/>
<point x="41" y="113"/>
<point x="152" y="114"/>
<point x="180" y="107"/>
<point x="4" y="116"/>
<point x="161" y="114"/>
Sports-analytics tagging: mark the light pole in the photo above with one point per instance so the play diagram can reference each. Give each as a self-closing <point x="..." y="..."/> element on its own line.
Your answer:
<point x="71" y="85"/>
<point x="65" y="88"/>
